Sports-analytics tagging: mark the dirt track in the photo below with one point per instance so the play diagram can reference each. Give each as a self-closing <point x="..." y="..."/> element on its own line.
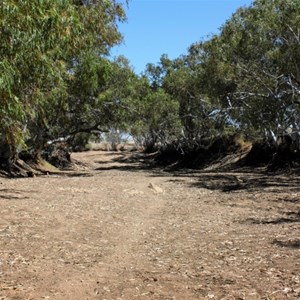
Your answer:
<point x="115" y="230"/>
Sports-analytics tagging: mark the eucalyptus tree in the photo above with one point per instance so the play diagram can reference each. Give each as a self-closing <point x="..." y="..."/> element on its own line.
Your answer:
<point x="42" y="42"/>
<point x="154" y="115"/>
<point x="245" y="79"/>
<point x="186" y="80"/>
<point x="34" y="40"/>
<point x="155" y="119"/>
<point x="260" y="49"/>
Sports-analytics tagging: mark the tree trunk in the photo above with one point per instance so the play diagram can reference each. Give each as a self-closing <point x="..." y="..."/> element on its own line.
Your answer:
<point x="10" y="163"/>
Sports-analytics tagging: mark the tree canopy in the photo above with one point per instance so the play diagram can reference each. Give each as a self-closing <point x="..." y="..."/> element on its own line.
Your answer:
<point x="43" y="45"/>
<point x="57" y="80"/>
<point x="245" y="79"/>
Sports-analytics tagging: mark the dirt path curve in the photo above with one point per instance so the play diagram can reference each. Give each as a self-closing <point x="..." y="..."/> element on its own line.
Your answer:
<point x="116" y="230"/>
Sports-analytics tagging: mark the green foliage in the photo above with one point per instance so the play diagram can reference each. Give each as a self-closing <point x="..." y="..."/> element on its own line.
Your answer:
<point x="56" y="80"/>
<point x="261" y="43"/>
<point x="24" y="63"/>
<point x="157" y="119"/>
<point x="246" y="79"/>
<point x="41" y="44"/>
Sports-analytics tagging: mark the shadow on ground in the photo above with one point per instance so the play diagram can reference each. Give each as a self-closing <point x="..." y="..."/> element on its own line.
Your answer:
<point x="11" y="194"/>
<point x="247" y="179"/>
<point x="293" y="244"/>
<point x="293" y="218"/>
<point x="137" y="162"/>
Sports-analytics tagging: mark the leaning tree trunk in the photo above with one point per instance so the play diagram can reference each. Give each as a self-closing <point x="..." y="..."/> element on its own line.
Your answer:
<point x="8" y="160"/>
<point x="10" y="163"/>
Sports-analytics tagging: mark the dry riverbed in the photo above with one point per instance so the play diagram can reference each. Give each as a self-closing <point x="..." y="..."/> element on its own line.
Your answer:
<point x="114" y="229"/>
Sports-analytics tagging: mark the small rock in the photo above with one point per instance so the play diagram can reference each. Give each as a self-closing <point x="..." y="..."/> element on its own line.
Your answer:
<point x="155" y="188"/>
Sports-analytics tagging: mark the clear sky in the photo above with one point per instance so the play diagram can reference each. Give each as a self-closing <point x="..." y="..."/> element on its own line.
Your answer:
<point x="156" y="27"/>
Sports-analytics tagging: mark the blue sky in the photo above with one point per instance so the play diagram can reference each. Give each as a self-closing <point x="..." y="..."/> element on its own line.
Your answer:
<point x="156" y="27"/>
